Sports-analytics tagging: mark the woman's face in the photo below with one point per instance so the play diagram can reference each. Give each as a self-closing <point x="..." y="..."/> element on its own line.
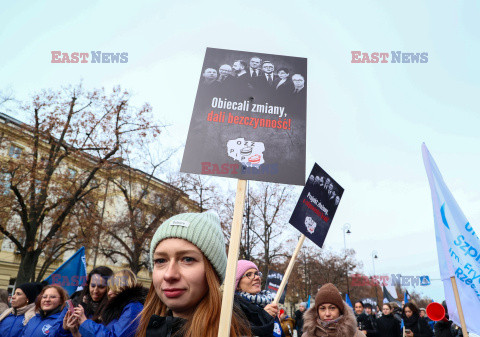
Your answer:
<point x="408" y="312"/>
<point x="386" y="310"/>
<point x="98" y="287"/>
<point x="358" y="308"/>
<point x="328" y="312"/>
<point x="50" y="299"/>
<point x="282" y="74"/>
<point x="19" y="299"/>
<point x="179" y="276"/>
<point x="250" y="282"/>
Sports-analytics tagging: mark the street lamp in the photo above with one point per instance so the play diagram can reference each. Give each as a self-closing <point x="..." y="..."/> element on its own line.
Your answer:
<point x="375" y="256"/>
<point x="346" y="230"/>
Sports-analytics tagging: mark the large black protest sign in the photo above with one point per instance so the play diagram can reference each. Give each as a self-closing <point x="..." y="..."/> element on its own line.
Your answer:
<point x="273" y="283"/>
<point x="249" y="118"/>
<point x="317" y="205"/>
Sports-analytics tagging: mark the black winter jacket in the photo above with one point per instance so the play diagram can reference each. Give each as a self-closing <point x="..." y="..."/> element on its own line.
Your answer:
<point x="388" y="326"/>
<point x="261" y="323"/>
<point x="418" y="325"/>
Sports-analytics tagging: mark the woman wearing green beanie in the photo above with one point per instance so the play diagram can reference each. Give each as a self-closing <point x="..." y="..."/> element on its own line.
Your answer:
<point x="189" y="263"/>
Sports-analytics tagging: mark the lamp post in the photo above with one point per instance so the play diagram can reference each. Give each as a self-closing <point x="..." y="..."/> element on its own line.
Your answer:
<point x="375" y="256"/>
<point x="346" y="230"/>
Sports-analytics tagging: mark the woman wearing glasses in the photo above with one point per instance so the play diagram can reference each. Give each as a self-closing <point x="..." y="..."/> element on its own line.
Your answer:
<point x="255" y="302"/>
<point x="49" y="306"/>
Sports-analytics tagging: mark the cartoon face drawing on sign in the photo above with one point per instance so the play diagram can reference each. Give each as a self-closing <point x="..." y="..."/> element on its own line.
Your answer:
<point x="310" y="224"/>
<point x="247" y="152"/>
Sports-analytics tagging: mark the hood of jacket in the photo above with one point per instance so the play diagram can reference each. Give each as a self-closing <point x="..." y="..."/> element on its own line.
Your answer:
<point x="346" y="326"/>
<point x="115" y="306"/>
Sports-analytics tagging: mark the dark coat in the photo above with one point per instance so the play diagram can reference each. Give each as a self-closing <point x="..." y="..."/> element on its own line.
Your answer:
<point x="299" y="322"/>
<point x="388" y="326"/>
<point x="261" y="323"/>
<point x="443" y="329"/>
<point x="419" y="326"/>
<point x="119" y="317"/>
<point x="164" y="326"/>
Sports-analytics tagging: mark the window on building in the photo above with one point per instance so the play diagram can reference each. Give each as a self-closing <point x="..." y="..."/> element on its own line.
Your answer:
<point x="15" y="151"/>
<point x="5" y="183"/>
<point x="72" y="173"/>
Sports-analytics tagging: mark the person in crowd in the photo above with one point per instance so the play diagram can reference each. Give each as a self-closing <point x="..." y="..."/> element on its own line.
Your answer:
<point x="444" y="327"/>
<point x="13" y="320"/>
<point x="248" y="286"/>
<point x="360" y="316"/>
<point x="3" y="300"/>
<point x="371" y="321"/>
<point x="330" y="317"/>
<point x="189" y="264"/>
<point x="387" y="325"/>
<point x="49" y="306"/>
<point x="287" y="323"/>
<point x="299" y="318"/>
<point x="119" y="318"/>
<point x="423" y="314"/>
<point x="94" y="297"/>
<point x="414" y="324"/>
<point x="397" y="311"/>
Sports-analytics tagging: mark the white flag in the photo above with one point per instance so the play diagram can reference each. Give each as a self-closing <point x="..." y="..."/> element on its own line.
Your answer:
<point x="458" y="249"/>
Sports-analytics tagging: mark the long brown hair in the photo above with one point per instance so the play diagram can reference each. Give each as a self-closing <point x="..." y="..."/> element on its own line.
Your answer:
<point x="206" y="317"/>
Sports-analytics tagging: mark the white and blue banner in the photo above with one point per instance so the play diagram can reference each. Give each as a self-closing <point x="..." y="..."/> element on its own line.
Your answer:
<point x="458" y="249"/>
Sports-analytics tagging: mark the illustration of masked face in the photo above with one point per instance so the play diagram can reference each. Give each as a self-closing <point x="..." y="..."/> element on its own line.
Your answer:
<point x="310" y="224"/>
<point x="311" y="179"/>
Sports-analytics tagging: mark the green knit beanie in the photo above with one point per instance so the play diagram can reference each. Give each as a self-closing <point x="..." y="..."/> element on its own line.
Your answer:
<point x="201" y="229"/>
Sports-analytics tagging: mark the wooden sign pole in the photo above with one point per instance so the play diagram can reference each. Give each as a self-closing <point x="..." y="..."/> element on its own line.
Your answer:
<point x="459" y="306"/>
<point x="289" y="269"/>
<point x="233" y="251"/>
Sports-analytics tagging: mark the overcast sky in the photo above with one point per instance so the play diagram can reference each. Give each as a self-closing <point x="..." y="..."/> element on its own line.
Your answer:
<point x="366" y="122"/>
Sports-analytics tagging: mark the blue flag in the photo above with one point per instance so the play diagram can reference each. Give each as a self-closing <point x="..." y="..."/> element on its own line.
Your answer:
<point x="347" y="299"/>
<point x="72" y="274"/>
<point x="308" y="302"/>
<point x="406" y="297"/>
<point x="458" y="248"/>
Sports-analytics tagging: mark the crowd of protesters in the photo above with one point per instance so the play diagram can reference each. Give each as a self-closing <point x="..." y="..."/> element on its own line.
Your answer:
<point x="188" y="260"/>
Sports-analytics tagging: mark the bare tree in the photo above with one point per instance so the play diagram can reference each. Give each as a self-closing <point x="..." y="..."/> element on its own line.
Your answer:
<point x="271" y="206"/>
<point x="70" y="127"/>
<point x="148" y="201"/>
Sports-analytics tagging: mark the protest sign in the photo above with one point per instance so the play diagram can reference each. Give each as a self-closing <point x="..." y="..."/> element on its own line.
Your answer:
<point x="249" y="118"/>
<point x="317" y="205"/>
<point x="458" y="250"/>
<point x="274" y="279"/>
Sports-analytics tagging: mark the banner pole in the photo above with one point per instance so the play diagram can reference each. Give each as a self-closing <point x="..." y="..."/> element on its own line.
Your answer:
<point x="233" y="251"/>
<point x="289" y="269"/>
<point x="459" y="306"/>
